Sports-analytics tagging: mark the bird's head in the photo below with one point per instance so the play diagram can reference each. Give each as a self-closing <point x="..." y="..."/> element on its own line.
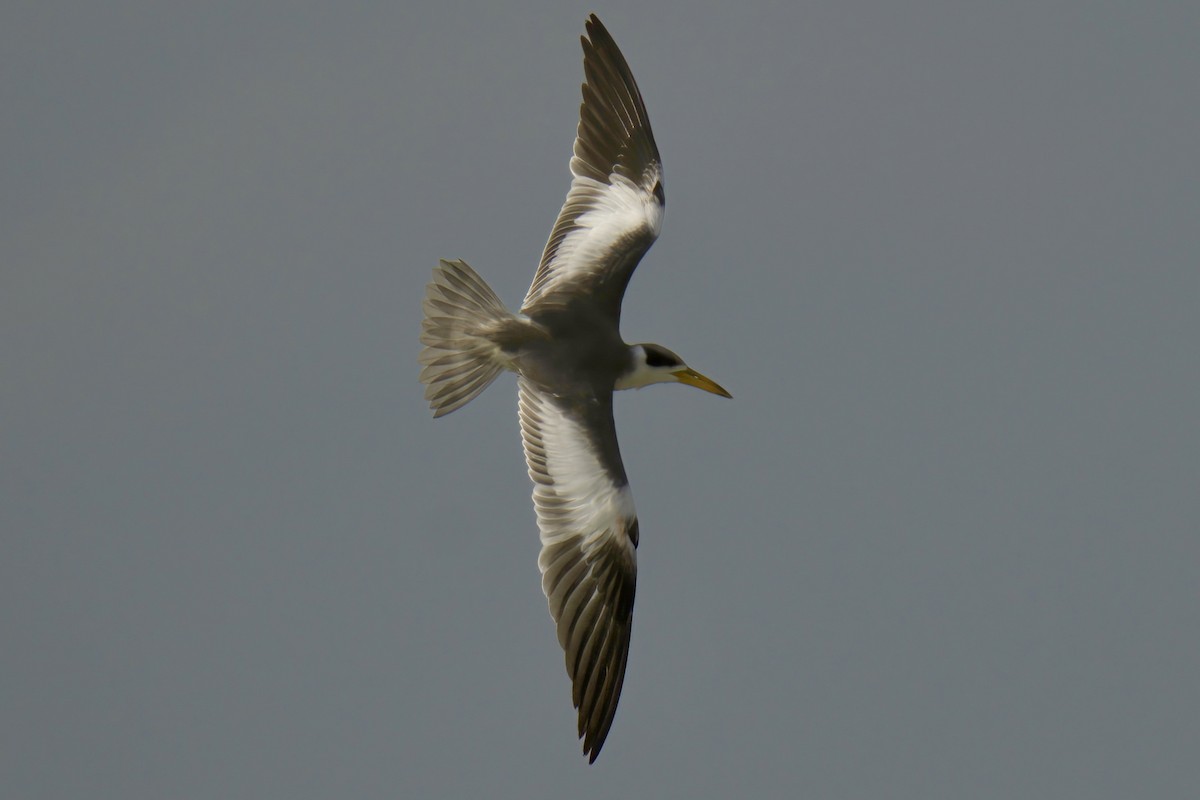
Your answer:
<point x="653" y="363"/>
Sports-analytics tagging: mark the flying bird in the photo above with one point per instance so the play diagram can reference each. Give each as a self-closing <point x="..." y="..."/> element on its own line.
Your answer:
<point x="566" y="348"/>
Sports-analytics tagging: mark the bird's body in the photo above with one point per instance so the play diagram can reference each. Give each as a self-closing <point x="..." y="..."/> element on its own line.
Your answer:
<point x="565" y="345"/>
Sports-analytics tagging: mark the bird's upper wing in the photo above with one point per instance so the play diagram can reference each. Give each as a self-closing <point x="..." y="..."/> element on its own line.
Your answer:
<point x="614" y="209"/>
<point x="589" y="533"/>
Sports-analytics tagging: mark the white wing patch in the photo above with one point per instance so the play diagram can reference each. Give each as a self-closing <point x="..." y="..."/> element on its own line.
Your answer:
<point x="608" y="222"/>
<point x="567" y="472"/>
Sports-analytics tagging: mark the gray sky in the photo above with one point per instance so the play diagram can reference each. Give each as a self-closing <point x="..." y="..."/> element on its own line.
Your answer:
<point x="942" y="543"/>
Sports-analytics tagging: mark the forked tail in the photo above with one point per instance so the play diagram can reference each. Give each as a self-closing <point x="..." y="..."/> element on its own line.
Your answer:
<point x="462" y="317"/>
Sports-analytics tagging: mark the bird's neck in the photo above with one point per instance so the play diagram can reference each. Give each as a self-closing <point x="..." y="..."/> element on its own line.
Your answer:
<point x="638" y="374"/>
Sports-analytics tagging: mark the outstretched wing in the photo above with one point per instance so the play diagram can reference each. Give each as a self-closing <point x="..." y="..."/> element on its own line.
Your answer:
<point x="614" y="209"/>
<point x="589" y="533"/>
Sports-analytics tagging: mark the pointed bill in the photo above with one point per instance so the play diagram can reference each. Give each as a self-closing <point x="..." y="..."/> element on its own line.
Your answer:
<point x="693" y="378"/>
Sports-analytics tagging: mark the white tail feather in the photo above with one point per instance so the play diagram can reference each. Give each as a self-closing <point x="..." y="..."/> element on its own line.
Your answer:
<point x="460" y="358"/>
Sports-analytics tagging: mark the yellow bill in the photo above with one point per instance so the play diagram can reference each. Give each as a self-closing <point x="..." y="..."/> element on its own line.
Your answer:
<point x="693" y="378"/>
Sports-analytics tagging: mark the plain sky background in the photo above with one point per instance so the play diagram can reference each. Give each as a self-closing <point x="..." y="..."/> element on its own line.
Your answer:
<point x="942" y="544"/>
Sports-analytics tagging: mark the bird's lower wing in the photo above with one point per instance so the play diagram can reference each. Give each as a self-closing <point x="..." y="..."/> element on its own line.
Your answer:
<point x="589" y="534"/>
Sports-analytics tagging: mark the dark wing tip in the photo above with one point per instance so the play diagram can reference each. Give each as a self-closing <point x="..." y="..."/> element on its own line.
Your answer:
<point x="596" y="33"/>
<point x="596" y="718"/>
<point x="599" y="34"/>
<point x="602" y="654"/>
<point x="614" y="132"/>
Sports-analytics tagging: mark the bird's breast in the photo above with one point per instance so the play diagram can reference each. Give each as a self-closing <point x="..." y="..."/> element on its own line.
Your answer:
<point x="580" y="350"/>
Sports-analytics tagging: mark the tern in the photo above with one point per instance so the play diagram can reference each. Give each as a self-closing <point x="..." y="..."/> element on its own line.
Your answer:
<point x="566" y="348"/>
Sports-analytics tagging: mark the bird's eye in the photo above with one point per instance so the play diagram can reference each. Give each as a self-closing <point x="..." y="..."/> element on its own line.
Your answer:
<point x="657" y="358"/>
